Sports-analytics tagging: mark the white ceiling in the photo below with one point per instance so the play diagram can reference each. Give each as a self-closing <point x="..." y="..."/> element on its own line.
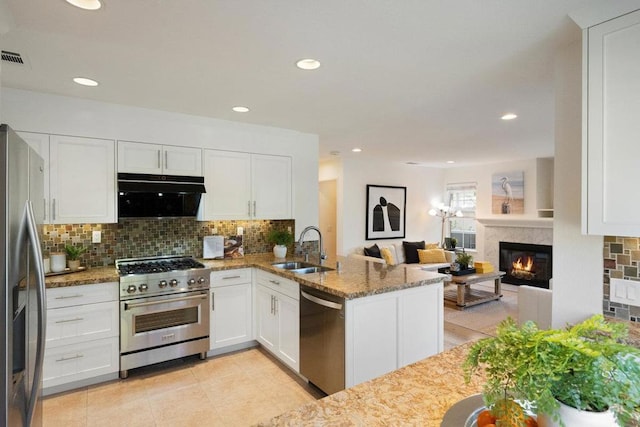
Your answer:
<point x="406" y="80"/>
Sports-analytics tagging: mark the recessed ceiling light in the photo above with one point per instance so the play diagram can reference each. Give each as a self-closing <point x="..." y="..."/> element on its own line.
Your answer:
<point x="356" y="150"/>
<point x="85" y="81"/>
<point x="86" y="4"/>
<point x="308" y="64"/>
<point x="451" y="161"/>
<point x="240" y="109"/>
<point x="509" y="116"/>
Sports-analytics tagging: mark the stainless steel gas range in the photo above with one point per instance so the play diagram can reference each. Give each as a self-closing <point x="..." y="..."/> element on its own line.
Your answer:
<point x="164" y="310"/>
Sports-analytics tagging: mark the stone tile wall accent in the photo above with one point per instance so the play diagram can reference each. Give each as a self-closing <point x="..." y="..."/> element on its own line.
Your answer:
<point x="621" y="261"/>
<point x="132" y="238"/>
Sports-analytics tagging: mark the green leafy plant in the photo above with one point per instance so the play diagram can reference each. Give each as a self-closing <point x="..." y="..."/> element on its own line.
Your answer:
<point x="280" y="237"/>
<point x="454" y="243"/>
<point x="73" y="252"/>
<point x="464" y="259"/>
<point x="587" y="366"/>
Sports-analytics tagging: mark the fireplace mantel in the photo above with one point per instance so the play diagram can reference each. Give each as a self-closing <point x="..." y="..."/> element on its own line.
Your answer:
<point x="516" y="222"/>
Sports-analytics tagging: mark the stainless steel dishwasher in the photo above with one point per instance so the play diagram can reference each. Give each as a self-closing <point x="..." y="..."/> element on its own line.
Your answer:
<point x="322" y="339"/>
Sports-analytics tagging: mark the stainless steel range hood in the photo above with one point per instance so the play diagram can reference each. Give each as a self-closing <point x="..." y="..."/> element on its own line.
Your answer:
<point x="158" y="196"/>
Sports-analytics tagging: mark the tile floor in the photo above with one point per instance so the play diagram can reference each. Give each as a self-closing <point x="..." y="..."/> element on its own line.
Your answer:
<point x="238" y="389"/>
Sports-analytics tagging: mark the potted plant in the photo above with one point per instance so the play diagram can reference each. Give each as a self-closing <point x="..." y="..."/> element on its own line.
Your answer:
<point x="454" y="243"/>
<point x="73" y="252"/>
<point x="464" y="259"/>
<point x="587" y="367"/>
<point x="281" y="239"/>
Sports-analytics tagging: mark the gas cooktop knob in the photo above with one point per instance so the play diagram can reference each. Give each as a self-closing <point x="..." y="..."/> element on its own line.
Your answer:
<point x="202" y="280"/>
<point x="162" y="284"/>
<point x="173" y="283"/>
<point x="143" y="287"/>
<point x="131" y="289"/>
<point x="191" y="282"/>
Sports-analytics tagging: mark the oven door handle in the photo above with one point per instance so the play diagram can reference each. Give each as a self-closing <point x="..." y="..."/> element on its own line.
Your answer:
<point x="129" y="305"/>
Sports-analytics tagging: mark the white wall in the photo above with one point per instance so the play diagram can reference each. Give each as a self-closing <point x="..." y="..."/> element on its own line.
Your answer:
<point x="38" y="112"/>
<point x="577" y="259"/>
<point x="353" y="174"/>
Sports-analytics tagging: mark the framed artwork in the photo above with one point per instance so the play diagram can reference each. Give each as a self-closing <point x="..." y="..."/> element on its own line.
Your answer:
<point x="386" y="212"/>
<point x="507" y="193"/>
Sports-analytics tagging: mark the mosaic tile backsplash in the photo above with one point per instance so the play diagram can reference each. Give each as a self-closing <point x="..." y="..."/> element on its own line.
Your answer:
<point x="133" y="238"/>
<point x="621" y="261"/>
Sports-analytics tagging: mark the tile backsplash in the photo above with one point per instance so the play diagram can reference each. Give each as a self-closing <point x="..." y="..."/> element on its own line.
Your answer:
<point x="132" y="238"/>
<point x="621" y="261"/>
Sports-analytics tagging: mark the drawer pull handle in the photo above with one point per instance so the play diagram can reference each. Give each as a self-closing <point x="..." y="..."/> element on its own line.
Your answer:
<point x="70" y="320"/>
<point x="70" y="296"/>
<point x="275" y="282"/>
<point x="231" y="277"/>
<point x="64" y="359"/>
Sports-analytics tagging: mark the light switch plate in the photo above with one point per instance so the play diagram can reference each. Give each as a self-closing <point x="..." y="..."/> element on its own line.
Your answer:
<point x="96" y="236"/>
<point x="624" y="291"/>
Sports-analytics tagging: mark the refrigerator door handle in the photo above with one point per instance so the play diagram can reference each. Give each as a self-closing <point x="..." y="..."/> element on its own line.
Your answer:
<point x="36" y="252"/>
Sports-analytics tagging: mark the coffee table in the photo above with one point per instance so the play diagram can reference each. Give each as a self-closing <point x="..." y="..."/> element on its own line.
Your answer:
<point x="463" y="296"/>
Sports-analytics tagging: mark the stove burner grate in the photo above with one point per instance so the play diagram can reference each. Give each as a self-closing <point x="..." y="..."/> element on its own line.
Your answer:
<point x="159" y="266"/>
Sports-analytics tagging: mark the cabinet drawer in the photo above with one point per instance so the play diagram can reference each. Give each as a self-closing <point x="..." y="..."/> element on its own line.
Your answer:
<point x="71" y="325"/>
<point x="80" y="361"/>
<point x="230" y="277"/>
<point x="83" y="294"/>
<point x="278" y="284"/>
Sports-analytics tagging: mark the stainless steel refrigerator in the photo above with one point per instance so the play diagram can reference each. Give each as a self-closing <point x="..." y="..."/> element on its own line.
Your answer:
<point x="23" y="296"/>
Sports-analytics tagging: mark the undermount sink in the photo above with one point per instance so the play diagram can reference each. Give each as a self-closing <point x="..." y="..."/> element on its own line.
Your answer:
<point x="309" y="270"/>
<point x="291" y="265"/>
<point x="301" y="267"/>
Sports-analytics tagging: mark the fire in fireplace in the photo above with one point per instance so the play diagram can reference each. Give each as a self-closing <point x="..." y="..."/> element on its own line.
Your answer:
<point x="526" y="264"/>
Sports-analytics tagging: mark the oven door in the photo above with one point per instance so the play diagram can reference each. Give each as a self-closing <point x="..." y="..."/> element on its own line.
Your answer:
<point x="163" y="320"/>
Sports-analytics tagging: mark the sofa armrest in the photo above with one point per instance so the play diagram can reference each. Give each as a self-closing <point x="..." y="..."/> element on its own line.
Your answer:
<point x="368" y="258"/>
<point x="534" y="304"/>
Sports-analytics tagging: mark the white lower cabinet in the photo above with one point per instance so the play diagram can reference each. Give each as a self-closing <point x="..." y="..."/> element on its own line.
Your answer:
<point x="82" y="338"/>
<point x="231" y="308"/>
<point x="277" y="317"/>
<point x="388" y="331"/>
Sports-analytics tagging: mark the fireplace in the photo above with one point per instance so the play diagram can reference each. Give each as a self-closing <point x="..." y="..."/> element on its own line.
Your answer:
<point x="526" y="264"/>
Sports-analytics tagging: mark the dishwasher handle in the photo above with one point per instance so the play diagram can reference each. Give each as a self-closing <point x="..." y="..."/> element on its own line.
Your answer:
<point x="323" y="302"/>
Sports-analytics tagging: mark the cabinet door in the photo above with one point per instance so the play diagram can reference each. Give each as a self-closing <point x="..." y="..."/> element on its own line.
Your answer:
<point x="267" y="325"/>
<point x="82" y="180"/>
<point x="371" y="337"/>
<point x="182" y="161"/>
<point x="71" y="325"/>
<point x="288" y="314"/>
<point x="227" y="179"/>
<point x="231" y="315"/>
<point x="137" y="157"/>
<point x="40" y="143"/>
<point x="421" y="323"/>
<point x="271" y="187"/>
<point x="613" y="107"/>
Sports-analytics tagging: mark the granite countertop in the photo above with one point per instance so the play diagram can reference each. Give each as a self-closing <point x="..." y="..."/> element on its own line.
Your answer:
<point x="356" y="278"/>
<point x="416" y="395"/>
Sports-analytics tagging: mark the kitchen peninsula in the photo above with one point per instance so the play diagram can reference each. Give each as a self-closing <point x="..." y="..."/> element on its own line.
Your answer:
<point x="394" y="313"/>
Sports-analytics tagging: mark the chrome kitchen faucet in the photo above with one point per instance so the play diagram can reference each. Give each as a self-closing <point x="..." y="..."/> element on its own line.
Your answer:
<point x="322" y="256"/>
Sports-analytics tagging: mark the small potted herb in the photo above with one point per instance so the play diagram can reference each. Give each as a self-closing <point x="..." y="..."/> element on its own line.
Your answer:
<point x="281" y="239"/>
<point x="73" y="253"/>
<point x="586" y="370"/>
<point x="464" y="259"/>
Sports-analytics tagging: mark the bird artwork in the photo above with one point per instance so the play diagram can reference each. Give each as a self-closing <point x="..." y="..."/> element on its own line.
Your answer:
<point x="508" y="195"/>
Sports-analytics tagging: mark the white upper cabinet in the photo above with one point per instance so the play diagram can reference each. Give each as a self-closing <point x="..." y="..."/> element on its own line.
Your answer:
<point x="245" y="186"/>
<point x="82" y="180"/>
<point x="612" y="129"/>
<point x="138" y="157"/>
<point x="40" y="143"/>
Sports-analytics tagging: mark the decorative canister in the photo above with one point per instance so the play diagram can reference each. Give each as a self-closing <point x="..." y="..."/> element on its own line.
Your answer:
<point x="58" y="261"/>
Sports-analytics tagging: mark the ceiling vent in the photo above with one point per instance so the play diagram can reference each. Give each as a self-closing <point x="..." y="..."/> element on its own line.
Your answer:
<point x="12" y="57"/>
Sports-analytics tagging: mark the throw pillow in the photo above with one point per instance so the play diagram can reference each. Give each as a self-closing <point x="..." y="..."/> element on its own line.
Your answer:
<point x="399" y="252"/>
<point x="388" y="256"/>
<point x="431" y="246"/>
<point x="431" y="256"/>
<point x="373" y="251"/>
<point x="411" y="251"/>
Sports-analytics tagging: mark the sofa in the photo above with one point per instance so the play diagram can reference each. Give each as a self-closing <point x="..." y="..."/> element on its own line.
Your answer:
<point x="427" y="256"/>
